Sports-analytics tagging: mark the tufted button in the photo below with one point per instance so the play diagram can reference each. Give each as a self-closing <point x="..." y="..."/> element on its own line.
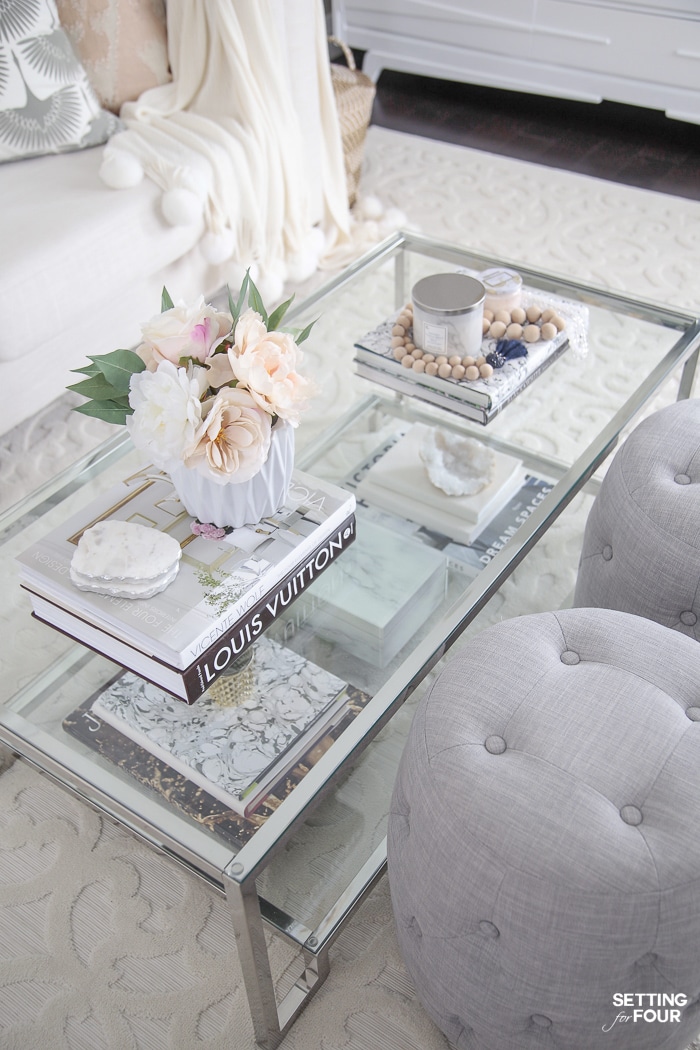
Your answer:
<point x="682" y="479"/>
<point x="631" y="815"/>
<point x="607" y="552"/>
<point x="489" y="930"/>
<point x="495" y="745"/>
<point x="541" y="1021"/>
<point x="570" y="657"/>
<point x="647" y="960"/>
<point x="689" y="618"/>
<point x="693" y="713"/>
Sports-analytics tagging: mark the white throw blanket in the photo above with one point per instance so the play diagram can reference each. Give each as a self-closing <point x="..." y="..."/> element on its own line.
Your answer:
<point x="245" y="139"/>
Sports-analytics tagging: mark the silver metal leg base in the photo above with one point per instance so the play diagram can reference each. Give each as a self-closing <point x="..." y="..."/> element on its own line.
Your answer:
<point x="271" y="1021"/>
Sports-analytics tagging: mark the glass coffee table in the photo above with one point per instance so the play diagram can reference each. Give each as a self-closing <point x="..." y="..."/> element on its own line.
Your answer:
<point x="306" y="868"/>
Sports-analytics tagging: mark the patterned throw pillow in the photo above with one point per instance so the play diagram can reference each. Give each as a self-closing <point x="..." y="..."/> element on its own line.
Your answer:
<point x="46" y="102"/>
<point x="123" y="45"/>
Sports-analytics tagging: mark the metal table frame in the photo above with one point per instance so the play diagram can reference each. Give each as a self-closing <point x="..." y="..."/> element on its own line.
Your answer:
<point x="236" y="876"/>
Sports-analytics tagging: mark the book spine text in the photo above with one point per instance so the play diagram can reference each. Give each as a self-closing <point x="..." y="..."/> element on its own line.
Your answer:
<point x="200" y="674"/>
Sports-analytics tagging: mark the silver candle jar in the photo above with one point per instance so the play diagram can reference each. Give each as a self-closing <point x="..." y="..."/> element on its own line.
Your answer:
<point x="448" y="311"/>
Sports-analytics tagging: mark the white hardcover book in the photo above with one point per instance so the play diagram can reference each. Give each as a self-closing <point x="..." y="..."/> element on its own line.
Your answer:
<point x="219" y="580"/>
<point x="235" y="753"/>
<point x="399" y="482"/>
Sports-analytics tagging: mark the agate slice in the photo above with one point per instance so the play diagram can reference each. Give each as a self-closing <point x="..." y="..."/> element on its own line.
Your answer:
<point x="124" y="559"/>
<point x="459" y="466"/>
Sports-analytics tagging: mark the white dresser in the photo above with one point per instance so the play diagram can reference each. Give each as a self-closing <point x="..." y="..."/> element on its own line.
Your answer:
<point x="636" y="51"/>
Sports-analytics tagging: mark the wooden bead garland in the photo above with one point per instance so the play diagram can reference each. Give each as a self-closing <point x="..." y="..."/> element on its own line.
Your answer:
<point x="411" y="356"/>
<point x="529" y="325"/>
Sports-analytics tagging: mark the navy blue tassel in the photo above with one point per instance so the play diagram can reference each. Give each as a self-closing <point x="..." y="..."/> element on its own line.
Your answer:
<point x="506" y="350"/>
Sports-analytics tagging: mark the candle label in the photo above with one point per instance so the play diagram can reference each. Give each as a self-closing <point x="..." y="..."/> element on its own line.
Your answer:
<point x="434" y="338"/>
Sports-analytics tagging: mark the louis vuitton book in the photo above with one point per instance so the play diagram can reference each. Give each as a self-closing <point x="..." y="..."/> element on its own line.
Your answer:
<point x="218" y="589"/>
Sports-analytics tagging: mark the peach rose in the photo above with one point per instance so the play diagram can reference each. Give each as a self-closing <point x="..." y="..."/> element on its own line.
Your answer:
<point x="265" y="363"/>
<point x="233" y="440"/>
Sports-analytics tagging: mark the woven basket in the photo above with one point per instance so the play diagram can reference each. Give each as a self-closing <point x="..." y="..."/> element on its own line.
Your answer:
<point x="354" y="96"/>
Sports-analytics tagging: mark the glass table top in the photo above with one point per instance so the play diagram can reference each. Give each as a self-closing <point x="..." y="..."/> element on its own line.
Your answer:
<point x="324" y="840"/>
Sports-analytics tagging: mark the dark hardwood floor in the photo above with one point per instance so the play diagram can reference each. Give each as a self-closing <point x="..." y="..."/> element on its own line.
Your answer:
<point x="624" y="144"/>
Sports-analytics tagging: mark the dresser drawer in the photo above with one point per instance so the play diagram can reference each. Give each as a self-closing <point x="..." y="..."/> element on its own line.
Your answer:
<point x="629" y="44"/>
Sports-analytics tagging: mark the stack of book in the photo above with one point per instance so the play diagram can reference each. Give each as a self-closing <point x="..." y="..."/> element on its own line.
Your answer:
<point x="398" y="482"/>
<point x="261" y="750"/>
<point x="226" y="593"/>
<point x="480" y="399"/>
<point x="465" y="560"/>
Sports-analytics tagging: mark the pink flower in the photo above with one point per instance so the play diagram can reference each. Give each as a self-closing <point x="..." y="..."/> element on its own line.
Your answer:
<point x="183" y="331"/>
<point x="209" y="532"/>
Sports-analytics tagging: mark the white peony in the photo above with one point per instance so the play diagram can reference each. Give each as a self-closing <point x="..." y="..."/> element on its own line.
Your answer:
<point x="167" y="411"/>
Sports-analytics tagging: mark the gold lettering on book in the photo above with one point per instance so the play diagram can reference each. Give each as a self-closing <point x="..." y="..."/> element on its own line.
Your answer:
<point x="145" y="478"/>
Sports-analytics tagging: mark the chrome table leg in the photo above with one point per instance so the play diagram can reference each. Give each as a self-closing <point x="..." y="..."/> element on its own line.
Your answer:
<point x="271" y="1020"/>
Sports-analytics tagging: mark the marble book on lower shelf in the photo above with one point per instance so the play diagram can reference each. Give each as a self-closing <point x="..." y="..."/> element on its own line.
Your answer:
<point x="236" y="753"/>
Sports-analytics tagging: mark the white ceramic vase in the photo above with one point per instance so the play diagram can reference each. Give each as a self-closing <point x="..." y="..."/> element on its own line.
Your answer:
<point x="246" y="502"/>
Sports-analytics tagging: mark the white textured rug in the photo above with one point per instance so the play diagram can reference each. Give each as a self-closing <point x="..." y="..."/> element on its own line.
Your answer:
<point x="103" y="944"/>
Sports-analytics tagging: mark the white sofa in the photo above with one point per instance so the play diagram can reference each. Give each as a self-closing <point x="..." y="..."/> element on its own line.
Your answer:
<point x="81" y="265"/>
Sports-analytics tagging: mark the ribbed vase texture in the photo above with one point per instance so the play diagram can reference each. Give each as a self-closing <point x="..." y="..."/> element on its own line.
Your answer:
<point x="246" y="503"/>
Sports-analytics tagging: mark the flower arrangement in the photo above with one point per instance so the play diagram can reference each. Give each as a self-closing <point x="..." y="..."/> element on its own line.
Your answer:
<point x="204" y="388"/>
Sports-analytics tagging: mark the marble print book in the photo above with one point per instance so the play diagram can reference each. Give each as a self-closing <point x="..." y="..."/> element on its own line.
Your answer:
<point x="375" y="598"/>
<point x="235" y="753"/>
<point x="218" y="581"/>
<point x="189" y="798"/>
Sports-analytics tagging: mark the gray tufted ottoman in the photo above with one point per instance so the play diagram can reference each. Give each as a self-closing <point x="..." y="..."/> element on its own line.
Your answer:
<point x="641" y="549"/>
<point x="544" y="845"/>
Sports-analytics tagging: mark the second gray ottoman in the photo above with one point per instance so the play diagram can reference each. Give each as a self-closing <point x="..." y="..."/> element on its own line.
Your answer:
<point x="543" y="844"/>
<point x="641" y="548"/>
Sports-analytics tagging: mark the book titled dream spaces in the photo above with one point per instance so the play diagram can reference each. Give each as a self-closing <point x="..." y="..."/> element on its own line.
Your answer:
<point x="221" y="583"/>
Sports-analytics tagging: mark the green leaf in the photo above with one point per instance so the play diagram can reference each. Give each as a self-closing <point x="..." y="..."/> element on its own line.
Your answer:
<point x="110" y="411"/>
<point x="304" y="334"/>
<point x="231" y="304"/>
<point x="277" y="315"/>
<point x="96" y="387"/>
<point x="235" y="308"/>
<point x="166" y="302"/>
<point x="118" y="367"/>
<point x="88" y="370"/>
<point x="255" y="300"/>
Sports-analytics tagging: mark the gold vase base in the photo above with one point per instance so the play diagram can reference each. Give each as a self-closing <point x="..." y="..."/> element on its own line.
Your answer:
<point x="235" y="685"/>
